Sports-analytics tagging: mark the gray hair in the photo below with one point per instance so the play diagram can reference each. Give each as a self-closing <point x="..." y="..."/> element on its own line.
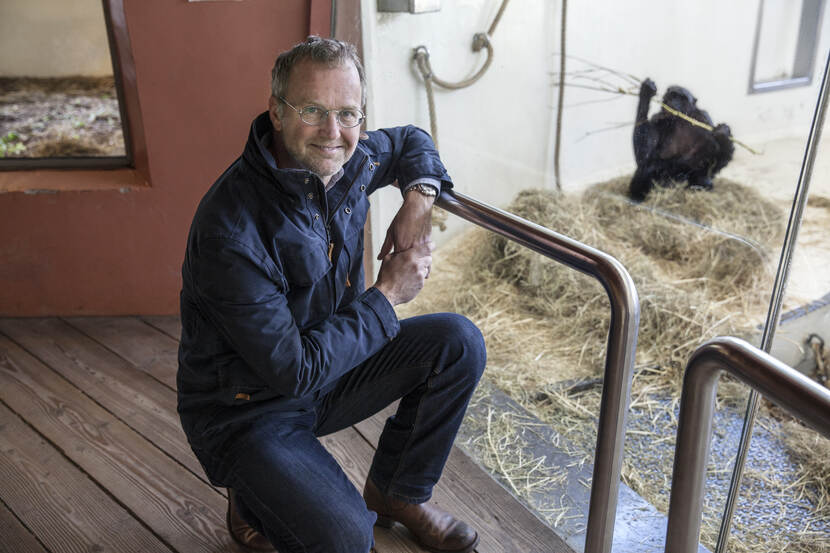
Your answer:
<point x="326" y="51"/>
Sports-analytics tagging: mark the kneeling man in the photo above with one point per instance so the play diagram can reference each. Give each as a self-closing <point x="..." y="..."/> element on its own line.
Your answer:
<point x="281" y="344"/>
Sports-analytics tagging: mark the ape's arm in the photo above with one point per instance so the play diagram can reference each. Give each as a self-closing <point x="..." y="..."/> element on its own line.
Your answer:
<point x="723" y="136"/>
<point x="645" y="135"/>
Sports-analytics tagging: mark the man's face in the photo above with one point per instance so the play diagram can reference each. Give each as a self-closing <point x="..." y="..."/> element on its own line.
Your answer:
<point x="321" y="149"/>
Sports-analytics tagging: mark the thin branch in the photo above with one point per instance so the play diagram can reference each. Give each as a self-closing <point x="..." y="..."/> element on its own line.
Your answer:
<point x="619" y="90"/>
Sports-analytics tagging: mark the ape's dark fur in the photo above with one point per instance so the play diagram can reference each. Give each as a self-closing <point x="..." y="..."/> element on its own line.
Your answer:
<point x="668" y="148"/>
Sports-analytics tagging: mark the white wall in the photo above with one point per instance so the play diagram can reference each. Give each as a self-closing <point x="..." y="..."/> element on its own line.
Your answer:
<point x="496" y="137"/>
<point x="53" y="38"/>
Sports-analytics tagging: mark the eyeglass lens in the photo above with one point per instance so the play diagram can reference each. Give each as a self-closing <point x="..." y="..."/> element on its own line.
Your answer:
<point x="315" y="115"/>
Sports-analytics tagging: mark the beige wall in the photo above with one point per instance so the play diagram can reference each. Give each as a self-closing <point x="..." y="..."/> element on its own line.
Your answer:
<point x="53" y="38"/>
<point x="497" y="136"/>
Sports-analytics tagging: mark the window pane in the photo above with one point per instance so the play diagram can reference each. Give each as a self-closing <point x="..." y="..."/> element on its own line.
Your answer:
<point x="778" y="40"/>
<point x="57" y="93"/>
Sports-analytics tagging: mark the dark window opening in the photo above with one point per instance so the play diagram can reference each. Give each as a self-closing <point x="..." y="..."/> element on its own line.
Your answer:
<point x="59" y="99"/>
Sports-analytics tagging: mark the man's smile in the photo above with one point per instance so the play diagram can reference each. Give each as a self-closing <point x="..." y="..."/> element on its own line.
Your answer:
<point x="327" y="149"/>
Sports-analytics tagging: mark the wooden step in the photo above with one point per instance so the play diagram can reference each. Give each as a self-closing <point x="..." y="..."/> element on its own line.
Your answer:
<point x="99" y="396"/>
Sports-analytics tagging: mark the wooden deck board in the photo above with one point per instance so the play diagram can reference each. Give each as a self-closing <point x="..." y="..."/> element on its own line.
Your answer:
<point x="141" y="344"/>
<point x="15" y="537"/>
<point x="59" y="503"/>
<point x="142" y="402"/>
<point x="170" y="325"/>
<point x="100" y="392"/>
<point x="176" y="505"/>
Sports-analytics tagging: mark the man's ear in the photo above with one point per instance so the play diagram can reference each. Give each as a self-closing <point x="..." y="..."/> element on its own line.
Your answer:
<point x="273" y="113"/>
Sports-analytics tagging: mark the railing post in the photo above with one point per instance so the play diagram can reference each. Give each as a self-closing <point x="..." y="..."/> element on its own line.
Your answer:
<point x="622" y="343"/>
<point x="783" y="385"/>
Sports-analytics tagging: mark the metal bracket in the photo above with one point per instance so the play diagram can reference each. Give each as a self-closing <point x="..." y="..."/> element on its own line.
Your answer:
<point x="411" y="6"/>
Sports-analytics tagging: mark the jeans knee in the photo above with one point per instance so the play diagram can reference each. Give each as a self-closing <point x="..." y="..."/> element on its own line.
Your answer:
<point x="349" y="537"/>
<point x="467" y="343"/>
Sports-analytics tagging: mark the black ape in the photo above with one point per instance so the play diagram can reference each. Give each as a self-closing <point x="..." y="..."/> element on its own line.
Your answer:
<point x="668" y="148"/>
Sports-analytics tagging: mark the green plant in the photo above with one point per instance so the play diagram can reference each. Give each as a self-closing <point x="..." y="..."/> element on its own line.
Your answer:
<point x="10" y="144"/>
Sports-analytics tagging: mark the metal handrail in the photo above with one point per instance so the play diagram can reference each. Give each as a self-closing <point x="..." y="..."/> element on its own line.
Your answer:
<point x="783" y="385"/>
<point x="622" y="343"/>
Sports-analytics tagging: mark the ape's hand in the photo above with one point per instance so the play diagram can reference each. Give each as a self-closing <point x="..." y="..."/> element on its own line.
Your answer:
<point x="648" y="89"/>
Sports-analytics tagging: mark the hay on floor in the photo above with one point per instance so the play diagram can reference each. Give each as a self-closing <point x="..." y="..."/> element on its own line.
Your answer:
<point x="703" y="264"/>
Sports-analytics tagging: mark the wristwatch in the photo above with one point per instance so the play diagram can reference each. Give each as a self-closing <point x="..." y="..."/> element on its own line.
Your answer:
<point x="425" y="189"/>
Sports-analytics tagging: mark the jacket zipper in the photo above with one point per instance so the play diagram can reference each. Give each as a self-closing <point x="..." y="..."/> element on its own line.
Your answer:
<point x="329" y="219"/>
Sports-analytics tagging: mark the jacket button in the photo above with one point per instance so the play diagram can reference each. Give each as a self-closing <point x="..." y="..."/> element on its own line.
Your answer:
<point x="316" y="216"/>
<point x="310" y="196"/>
<point x="348" y="210"/>
<point x="371" y="167"/>
<point x="362" y="187"/>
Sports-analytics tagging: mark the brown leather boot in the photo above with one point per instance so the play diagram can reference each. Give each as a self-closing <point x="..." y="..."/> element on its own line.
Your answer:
<point x="243" y="533"/>
<point x="436" y="530"/>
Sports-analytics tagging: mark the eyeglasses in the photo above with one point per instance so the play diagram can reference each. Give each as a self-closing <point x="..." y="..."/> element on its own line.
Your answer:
<point x="316" y="115"/>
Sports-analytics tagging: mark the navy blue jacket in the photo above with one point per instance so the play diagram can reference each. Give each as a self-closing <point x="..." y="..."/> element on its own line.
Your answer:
<point x="273" y="305"/>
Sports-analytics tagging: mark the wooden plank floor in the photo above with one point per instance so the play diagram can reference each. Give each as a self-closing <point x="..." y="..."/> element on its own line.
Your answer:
<point x="93" y="458"/>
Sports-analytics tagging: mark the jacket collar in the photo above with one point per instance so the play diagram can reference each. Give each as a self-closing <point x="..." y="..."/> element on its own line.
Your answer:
<point x="257" y="154"/>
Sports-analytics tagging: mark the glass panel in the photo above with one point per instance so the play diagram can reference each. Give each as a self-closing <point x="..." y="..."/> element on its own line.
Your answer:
<point x="701" y="232"/>
<point x="58" y="97"/>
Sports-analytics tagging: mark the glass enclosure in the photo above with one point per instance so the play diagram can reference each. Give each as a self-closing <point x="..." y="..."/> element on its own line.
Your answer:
<point x="629" y="127"/>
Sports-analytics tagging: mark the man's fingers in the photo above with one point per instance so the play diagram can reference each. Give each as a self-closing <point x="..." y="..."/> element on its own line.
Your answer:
<point x="387" y="246"/>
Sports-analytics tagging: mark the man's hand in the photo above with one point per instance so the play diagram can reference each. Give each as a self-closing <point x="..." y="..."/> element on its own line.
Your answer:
<point x="412" y="225"/>
<point x="402" y="274"/>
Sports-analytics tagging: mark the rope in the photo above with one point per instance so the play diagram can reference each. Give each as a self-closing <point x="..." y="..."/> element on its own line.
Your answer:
<point x="561" y="102"/>
<point x="496" y="20"/>
<point x="480" y="40"/>
<point x="822" y="369"/>
<point x="422" y="60"/>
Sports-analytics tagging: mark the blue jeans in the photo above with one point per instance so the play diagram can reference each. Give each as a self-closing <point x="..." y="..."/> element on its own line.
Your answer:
<point x="291" y="489"/>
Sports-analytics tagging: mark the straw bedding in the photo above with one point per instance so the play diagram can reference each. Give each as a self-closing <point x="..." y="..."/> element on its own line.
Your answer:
<point x="703" y="264"/>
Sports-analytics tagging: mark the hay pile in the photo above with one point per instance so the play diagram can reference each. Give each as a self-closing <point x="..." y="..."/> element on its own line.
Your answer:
<point x="703" y="264"/>
<point x="59" y="117"/>
<point x="695" y="281"/>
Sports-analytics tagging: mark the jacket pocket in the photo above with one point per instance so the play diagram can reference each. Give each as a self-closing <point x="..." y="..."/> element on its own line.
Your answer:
<point x="305" y="266"/>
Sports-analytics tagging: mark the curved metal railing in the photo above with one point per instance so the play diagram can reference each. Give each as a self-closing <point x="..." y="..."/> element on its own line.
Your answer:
<point x="622" y="343"/>
<point x="783" y="385"/>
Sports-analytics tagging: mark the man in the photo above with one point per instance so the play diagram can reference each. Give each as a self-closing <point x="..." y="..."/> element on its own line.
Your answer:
<point x="280" y="342"/>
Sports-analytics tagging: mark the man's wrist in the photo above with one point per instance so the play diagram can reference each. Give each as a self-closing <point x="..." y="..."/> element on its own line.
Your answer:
<point x="423" y="188"/>
<point x="385" y="292"/>
<point x="416" y="198"/>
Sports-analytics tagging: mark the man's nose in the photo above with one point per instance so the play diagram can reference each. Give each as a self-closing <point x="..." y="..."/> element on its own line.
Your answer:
<point x="329" y="126"/>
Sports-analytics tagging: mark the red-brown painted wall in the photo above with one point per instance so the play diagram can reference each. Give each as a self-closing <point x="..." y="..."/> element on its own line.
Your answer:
<point x="202" y="71"/>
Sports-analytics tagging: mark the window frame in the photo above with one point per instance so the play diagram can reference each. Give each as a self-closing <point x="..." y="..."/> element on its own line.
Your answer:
<point x="94" y="173"/>
<point x="804" y="63"/>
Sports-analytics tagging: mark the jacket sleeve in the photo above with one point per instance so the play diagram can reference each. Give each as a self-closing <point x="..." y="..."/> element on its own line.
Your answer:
<point x="243" y="295"/>
<point x="405" y="154"/>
